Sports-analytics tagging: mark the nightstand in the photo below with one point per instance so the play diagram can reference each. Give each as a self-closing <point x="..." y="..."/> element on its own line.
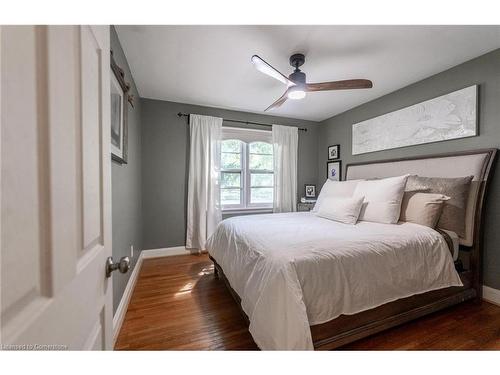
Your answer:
<point x="307" y="206"/>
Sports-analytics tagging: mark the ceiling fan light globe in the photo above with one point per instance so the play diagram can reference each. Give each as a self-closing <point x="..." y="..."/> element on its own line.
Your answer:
<point x="296" y="94"/>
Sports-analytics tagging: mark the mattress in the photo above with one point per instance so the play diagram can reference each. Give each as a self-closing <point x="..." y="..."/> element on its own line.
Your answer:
<point x="294" y="270"/>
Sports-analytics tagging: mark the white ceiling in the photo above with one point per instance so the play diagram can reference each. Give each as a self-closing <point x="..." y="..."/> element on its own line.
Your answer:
<point x="210" y="65"/>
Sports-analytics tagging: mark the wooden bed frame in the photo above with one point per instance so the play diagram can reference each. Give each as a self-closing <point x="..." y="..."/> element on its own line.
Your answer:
<point x="349" y="328"/>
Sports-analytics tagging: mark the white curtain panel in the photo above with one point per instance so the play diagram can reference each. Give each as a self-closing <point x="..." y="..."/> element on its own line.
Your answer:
<point x="203" y="205"/>
<point x="285" y="144"/>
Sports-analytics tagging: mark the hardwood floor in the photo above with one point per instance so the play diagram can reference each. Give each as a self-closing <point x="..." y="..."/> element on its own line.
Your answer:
<point x="178" y="304"/>
<point x="463" y="327"/>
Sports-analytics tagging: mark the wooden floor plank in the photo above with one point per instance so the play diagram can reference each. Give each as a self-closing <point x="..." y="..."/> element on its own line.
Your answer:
<point x="177" y="304"/>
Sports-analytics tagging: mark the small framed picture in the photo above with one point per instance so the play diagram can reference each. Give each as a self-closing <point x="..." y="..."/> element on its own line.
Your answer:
<point x="310" y="191"/>
<point x="333" y="152"/>
<point x="334" y="170"/>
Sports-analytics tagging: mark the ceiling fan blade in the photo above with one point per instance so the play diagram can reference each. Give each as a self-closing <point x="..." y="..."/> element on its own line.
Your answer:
<point x="347" y="84"/>
<point x="278" y="102"/>
<point x="266" y="68"/>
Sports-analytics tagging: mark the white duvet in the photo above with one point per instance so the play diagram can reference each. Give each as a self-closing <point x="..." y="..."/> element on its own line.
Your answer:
<point x="294" y="270"/>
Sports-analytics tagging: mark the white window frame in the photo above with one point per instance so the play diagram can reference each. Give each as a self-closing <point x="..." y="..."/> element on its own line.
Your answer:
<point x="246" y="136"/>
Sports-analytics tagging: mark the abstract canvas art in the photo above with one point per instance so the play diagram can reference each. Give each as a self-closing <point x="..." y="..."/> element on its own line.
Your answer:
<point x="446" y="117"/>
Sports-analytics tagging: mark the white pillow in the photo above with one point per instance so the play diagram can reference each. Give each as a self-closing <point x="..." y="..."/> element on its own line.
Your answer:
<point x="336" y="189"/>
<point x="345" y="210"/>
<point x="382" y="199"/>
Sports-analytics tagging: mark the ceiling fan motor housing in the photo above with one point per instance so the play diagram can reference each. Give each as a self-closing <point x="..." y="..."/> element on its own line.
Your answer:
<point x="297" y="76"/>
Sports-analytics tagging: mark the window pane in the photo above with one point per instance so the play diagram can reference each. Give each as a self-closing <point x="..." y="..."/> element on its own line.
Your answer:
<point x="231" y="145"/>
<point x="261" y="162"/>
<point x="231" y="180"/>
<point x="261" y="195"/>
<point x="230" y="161"/>
<point x="230" y="196"/>
<point x="262" y="179"/>
<point x="261" y="148"/>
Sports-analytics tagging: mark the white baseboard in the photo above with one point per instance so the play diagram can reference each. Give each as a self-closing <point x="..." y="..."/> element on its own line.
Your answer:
<point x="167" y="251"/>
<point x="127" y="293"/>
<point x="491" y="295"/>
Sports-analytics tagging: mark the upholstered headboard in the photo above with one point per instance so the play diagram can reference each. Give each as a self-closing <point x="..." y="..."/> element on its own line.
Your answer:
<point x="475" y="163"/>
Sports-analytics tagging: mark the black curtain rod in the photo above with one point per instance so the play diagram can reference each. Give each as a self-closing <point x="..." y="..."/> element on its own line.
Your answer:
<point x="180" y="114"/>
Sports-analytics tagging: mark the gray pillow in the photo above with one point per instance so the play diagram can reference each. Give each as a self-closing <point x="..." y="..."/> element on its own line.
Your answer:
<point x="453" y="215"/>
<point x="422" y="208"/>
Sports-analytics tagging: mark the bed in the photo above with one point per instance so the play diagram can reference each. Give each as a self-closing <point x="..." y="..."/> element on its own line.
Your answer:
<point x="304" y="282"/>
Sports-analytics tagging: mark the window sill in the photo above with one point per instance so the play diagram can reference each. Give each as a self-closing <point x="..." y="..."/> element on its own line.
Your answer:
<point x="267" y="210"/>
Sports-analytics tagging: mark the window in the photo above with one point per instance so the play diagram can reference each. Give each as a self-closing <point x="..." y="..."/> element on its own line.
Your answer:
<point x="260" y="166"/>
<point x="247" y="176"/>
<point x="231" y="175"/>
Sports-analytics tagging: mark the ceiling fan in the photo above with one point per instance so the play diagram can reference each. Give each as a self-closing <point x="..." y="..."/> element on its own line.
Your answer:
<point x="296" y="82"/>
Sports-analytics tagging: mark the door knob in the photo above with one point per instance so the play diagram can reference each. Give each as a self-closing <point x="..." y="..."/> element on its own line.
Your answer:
<point x="123" y="266"/>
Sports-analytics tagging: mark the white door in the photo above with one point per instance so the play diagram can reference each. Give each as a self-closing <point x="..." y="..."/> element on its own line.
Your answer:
<point x="55" y="187"/>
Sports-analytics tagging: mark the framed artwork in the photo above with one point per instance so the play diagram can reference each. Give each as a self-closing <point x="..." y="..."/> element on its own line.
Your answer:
<point x="334" y="170"/>
<point x="119" y="110"/>
<point x="310" y="191"/>
<point x="333" y="152"/>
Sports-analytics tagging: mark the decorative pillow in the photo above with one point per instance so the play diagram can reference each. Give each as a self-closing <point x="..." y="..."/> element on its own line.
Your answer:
<point x="422" y="208"/>
<point x="453" y="214"/>
<point x="383" y="198"/>
<point x="336" y="189"/>
<point x="344" y="210"/>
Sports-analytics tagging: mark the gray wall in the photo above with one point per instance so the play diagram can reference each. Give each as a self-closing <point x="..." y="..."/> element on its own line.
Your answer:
<point x="165" y="153"/>
<point x="126" y="186"/>
<point x="484" y="71"/>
